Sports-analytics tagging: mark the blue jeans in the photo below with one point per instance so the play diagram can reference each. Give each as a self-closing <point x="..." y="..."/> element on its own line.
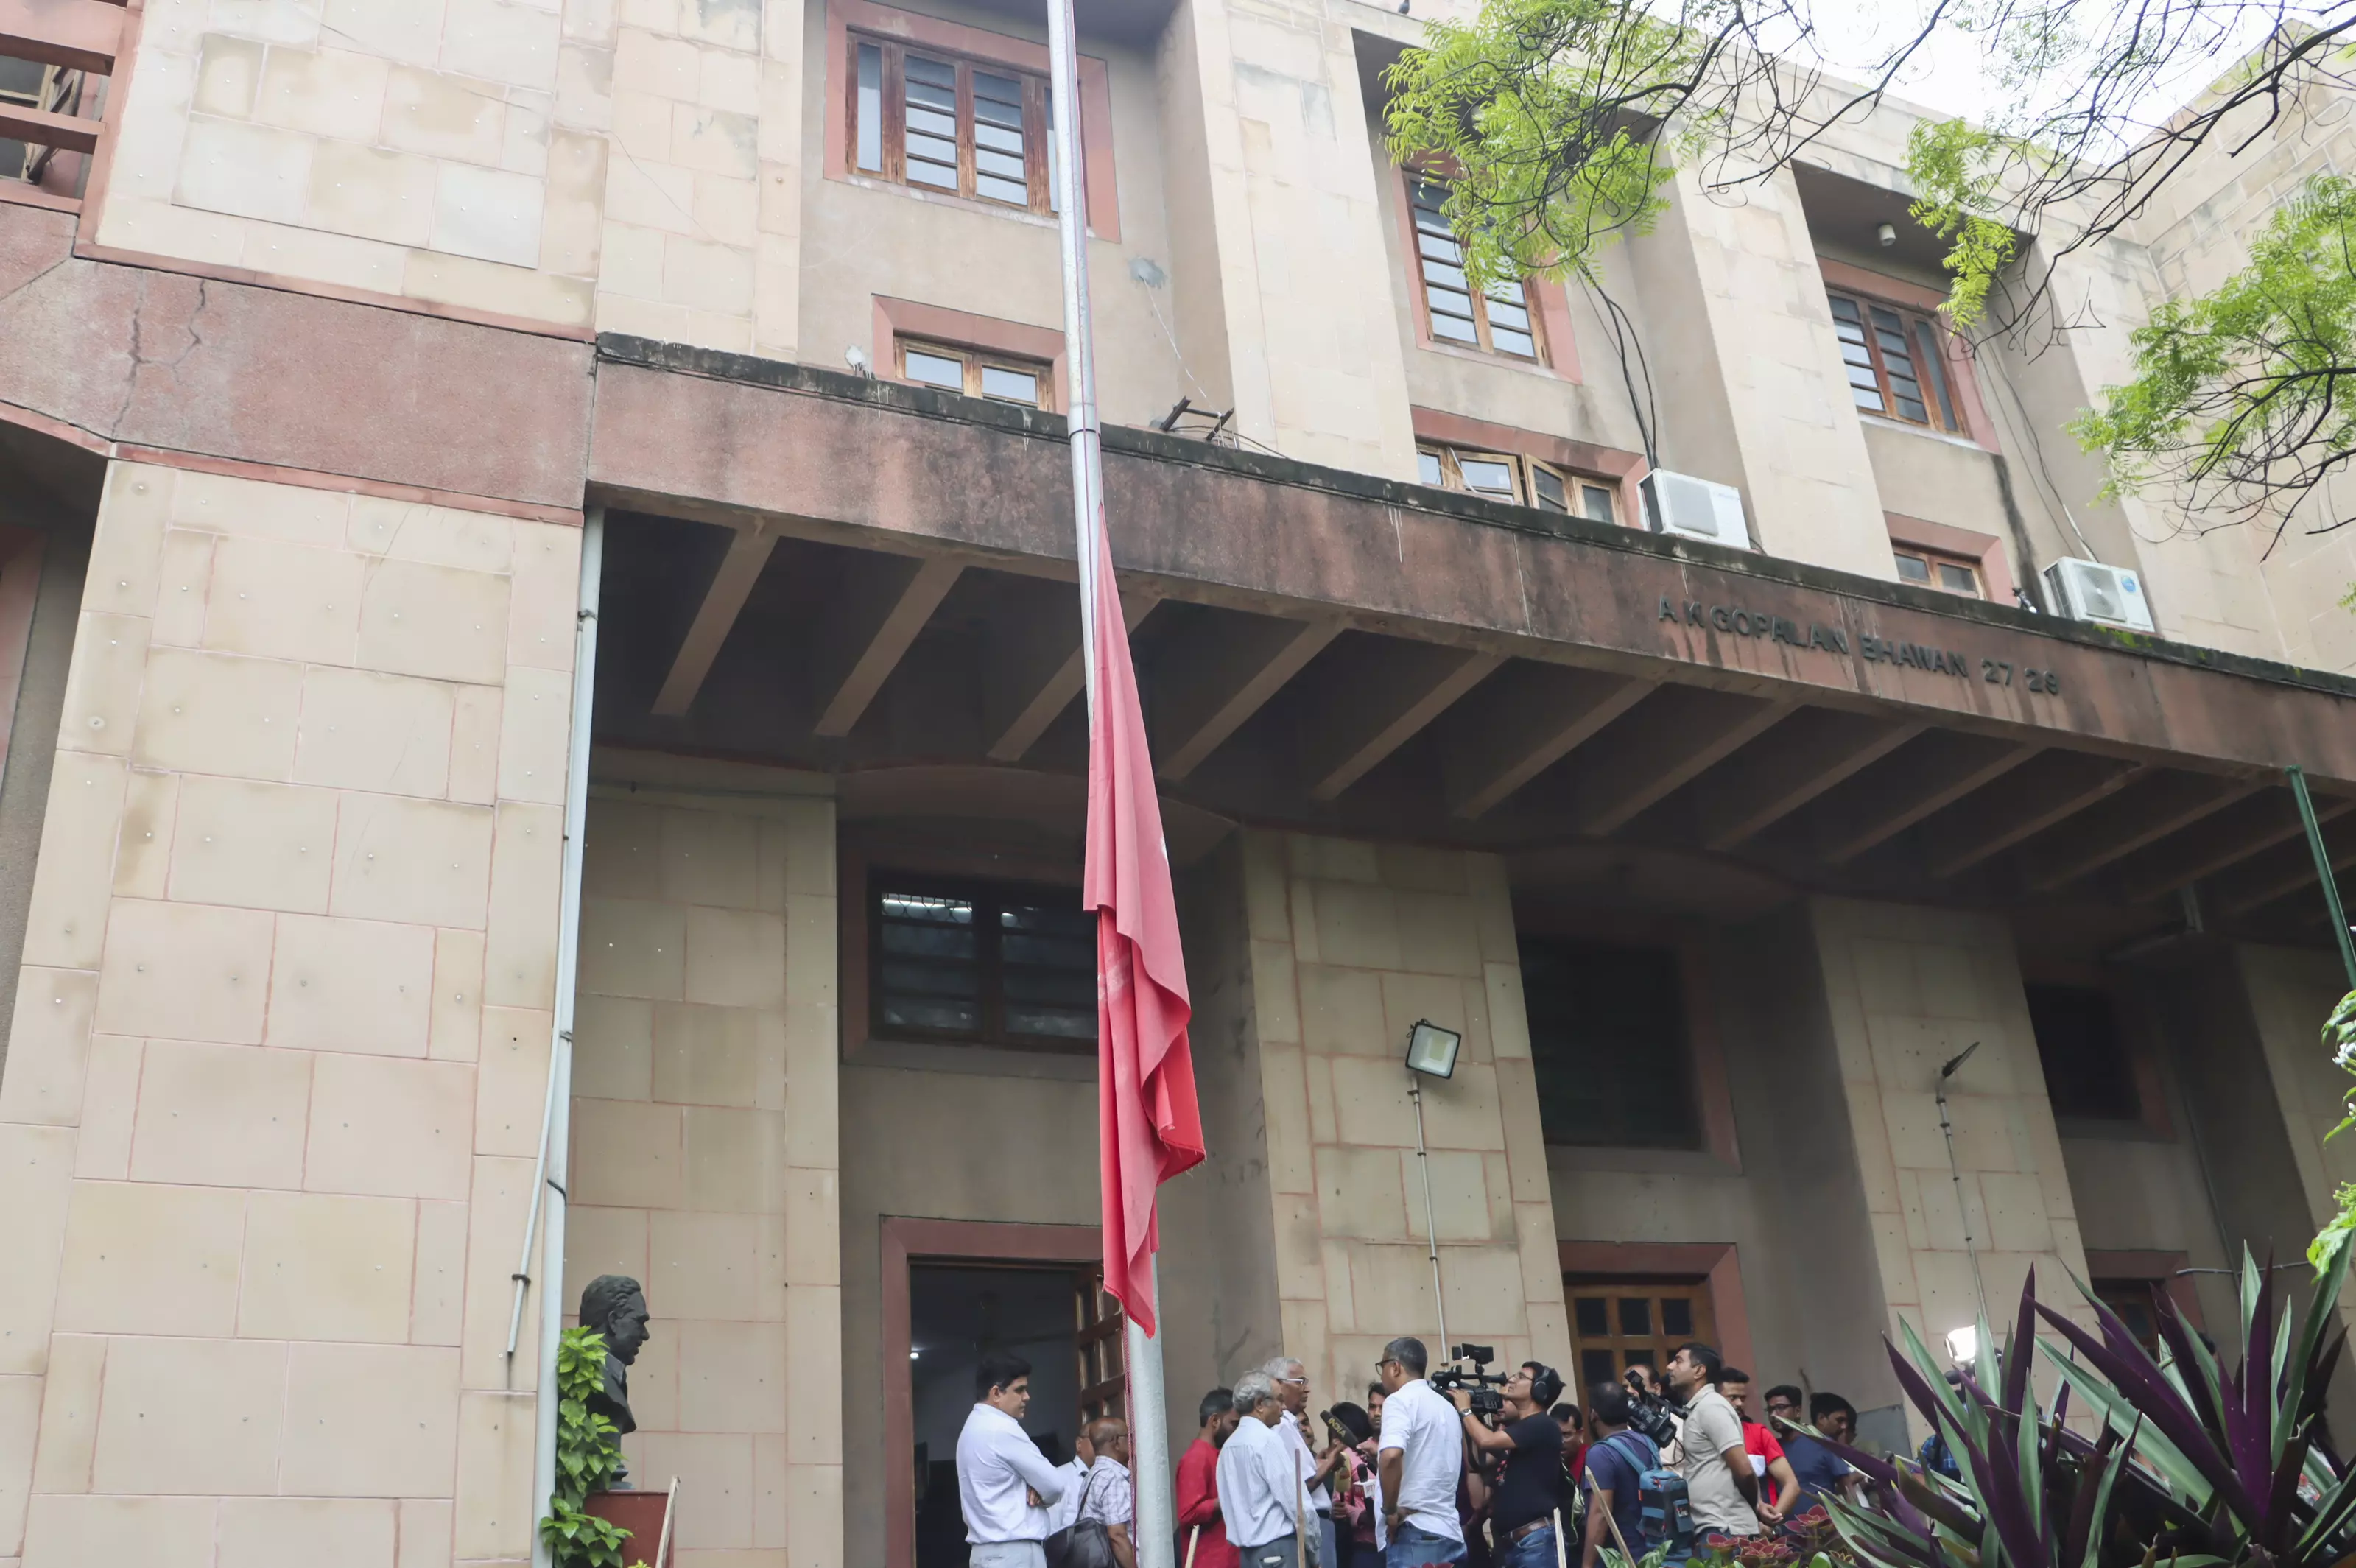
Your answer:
<point x="1412" y="1546"/>
<point x="1535" y="1550"/>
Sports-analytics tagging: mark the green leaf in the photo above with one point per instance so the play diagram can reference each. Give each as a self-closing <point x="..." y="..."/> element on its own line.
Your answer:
<point x="2166" y="1459"/>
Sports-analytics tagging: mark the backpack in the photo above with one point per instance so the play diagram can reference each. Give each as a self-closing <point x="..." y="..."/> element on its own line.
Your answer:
<point x="1669" y="1513"/>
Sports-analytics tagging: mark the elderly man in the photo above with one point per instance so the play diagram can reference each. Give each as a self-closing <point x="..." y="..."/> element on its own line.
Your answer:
<point x="1259" y="1483"/>
<point x="1291" y="1380"/>
<point x="1075" y="1472"/>
<point x="1110" y="1497"/>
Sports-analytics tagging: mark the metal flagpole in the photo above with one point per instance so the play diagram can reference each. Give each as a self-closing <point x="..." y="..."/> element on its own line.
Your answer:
<point x="1148" y="1431"/>
<point x="2323" y="870"/>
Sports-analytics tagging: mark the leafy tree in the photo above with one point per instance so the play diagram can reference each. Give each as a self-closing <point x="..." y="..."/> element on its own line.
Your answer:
<point x="1557" y="123"/>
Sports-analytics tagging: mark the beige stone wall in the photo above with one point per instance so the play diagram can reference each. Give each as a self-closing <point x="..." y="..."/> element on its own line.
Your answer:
<point x="1350" y="944"/>
<point x="450" y="152"/>
<point x="277" y="1065"/>
<point x="704" y="1158"/>
<point x="703" y="240"/>
<point x="1907" y="989"/>
<point x="1305" y="283"/>
<point x="2291" y="992"/>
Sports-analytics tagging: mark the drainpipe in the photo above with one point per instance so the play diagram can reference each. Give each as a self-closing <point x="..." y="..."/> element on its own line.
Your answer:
<point x="555" y="1133"/>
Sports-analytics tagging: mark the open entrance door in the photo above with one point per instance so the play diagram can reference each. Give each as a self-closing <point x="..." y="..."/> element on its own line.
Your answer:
<point x="1055" y="1316"/>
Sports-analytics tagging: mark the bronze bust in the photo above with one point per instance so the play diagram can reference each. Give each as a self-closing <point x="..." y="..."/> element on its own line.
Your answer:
<point x="616" y="1307"/>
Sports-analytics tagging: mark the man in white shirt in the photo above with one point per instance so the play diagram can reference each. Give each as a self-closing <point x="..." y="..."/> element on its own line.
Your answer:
<point x="1719" y="1484"/>
<point x="1421" y="1457"/>
<point x="1076" y="1479"/>
<point x="1291" y="1380"/>
<point x="1259" y="1484"/>
<point x="1004" y="1483"/>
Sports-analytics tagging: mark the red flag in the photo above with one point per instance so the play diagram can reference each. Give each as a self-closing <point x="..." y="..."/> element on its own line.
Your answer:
<point x="1148" y="1126"/>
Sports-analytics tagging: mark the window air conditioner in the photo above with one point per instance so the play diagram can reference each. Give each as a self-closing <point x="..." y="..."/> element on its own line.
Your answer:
<point x="1695" y="508"/>
<point x="2088" y="590"/>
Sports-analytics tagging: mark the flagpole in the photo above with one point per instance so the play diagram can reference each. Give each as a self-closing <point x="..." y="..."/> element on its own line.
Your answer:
<point x="1149" y="1428"/>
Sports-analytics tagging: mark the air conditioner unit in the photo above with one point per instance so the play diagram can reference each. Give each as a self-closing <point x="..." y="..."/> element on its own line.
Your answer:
<point x="2088" y="590"/>
<point x="1695" y="508"/>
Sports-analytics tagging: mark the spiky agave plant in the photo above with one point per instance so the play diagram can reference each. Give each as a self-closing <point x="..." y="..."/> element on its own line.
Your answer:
<point x="2195" y="1463"/>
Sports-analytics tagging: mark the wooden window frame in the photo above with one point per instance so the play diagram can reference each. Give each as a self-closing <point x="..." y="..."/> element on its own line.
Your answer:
<point x="975" y="360"/>
<point x="1933" y="560"/>
<point x="989" y="893"/>
<point x="1657" y="1346"/>
<point x="1526" y="469"/>
<point x="893" y="116"/>
<point x="1540" y="355"/>
<point x="1718" y="1264"/>
<point x="1944" y="412"/>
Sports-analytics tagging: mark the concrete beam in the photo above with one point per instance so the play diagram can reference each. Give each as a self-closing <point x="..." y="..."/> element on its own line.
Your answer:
<point x="67" y="133"/>
<point x="2147" y="813"/>
<point x="1664" y="746"/>
<point x="2269" y="819"/>
<point x="81" y="35"/>
<point x="2048" y="790"/>
<point x="1807" y="754"/>
<point x="1390" y="691"/>
<point x="875" y="626"/>
<point x="723" y="601"/>
<point x="2290" y="869"/>
<point x="1927" y="778"/>
<point x="1224" y="674"/>
<point x="1524" y="722"/>
<point x="1039" y="672"/>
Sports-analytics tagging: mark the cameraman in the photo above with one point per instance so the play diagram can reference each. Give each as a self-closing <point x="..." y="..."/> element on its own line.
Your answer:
<point x="1529" y="1443"/>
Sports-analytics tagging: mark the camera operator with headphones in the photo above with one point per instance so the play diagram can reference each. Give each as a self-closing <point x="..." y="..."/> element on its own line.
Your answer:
<point x="1528" y="1443"/>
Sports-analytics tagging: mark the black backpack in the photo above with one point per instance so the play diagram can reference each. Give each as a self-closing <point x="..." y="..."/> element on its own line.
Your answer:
<point x="1085" y="1543"/>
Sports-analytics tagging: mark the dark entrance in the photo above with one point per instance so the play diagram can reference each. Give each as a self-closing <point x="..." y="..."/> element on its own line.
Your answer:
<point x="1055" y="1317"/>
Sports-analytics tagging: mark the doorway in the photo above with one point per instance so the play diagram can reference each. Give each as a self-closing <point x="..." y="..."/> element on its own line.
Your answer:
<point x="965" y="1291"/>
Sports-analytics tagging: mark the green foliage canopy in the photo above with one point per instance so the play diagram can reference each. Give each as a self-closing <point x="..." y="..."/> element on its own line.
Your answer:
<point x="1540" y="117"/>
<point x="2242" y="393"/>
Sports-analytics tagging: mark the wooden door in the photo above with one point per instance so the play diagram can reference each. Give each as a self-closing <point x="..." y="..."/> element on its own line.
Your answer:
<point x="1097" y="1324"/>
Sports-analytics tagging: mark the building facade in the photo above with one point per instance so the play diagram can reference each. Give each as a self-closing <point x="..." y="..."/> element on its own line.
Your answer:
<point x="332" y="330"/>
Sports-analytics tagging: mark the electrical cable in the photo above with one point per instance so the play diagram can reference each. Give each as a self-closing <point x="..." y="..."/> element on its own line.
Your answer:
<point x="1624" y="334"/>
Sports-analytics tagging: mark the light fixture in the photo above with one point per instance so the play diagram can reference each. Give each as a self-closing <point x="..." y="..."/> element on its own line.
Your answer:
<point x="1887" y="234"/>
<point x="1431" y="1053"/>
<point x="1963" y="1345"/>
<point x="912" y="1352"/>
<point x="1431" y="1050"/>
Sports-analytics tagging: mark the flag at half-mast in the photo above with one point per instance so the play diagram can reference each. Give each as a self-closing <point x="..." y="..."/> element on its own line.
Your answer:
<point x="1149" y="1127"/>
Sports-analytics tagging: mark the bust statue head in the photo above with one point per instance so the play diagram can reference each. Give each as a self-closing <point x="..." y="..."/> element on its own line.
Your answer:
<point x="616" y="1307"/>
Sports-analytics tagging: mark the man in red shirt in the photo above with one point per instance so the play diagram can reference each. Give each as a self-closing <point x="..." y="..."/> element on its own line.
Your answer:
<point x="1767" y="1460"/>
<point x="1201" y="1530"/>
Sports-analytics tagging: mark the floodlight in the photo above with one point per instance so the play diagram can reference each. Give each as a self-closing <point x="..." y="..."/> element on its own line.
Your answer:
<point x="1431" y="1050"/>
<point x="1963" y="1345"/>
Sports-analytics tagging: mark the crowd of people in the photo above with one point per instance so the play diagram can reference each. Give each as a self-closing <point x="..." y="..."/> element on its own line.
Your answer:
<point x="1491" y="1472"/>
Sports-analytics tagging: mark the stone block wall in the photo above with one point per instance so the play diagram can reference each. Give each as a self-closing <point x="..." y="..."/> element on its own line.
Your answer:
<point x="1351" y="944"/>
<point x="277" y="1059"/>
<point x="1907" y="989"/>
<point x="451" y="152"/>
<point x="705" y="1159"/>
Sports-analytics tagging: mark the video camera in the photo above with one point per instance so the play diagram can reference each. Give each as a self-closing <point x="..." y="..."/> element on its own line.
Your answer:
<point x="1487" y="1403"/>
<point x="1651" y="1413"/>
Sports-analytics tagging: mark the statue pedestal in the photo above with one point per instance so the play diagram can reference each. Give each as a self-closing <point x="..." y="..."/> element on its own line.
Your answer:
<point x="640" y="1513"/>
